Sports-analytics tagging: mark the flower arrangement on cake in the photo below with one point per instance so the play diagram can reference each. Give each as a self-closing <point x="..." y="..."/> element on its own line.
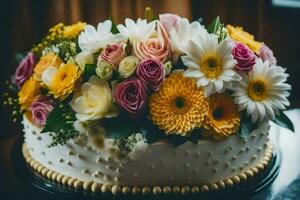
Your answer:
<point x="130" y="85"/>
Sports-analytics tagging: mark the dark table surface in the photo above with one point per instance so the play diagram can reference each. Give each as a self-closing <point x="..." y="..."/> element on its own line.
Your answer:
<point x="285" y="187"/>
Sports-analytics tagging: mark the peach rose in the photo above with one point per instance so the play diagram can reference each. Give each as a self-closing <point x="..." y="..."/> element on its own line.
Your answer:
<point x="113" y="54"/>
<point x="157" y="47"/>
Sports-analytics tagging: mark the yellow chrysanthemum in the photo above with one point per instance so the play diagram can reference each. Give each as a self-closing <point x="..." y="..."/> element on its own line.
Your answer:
<point x="46" y="61"/>
<point x="64" y="81"/>
<point x="73" y="30"/>
<point x="28" y="93"/>
<point x="223" y="117"/>
<point x="239" y="35"/>
<point x="179" y="106"/>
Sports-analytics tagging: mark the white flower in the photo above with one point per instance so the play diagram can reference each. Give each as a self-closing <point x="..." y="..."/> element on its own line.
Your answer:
<point x="183" y="32"/>
<point x="138" y="30"/>
<point x="48" y="75"/>
<point x="93" y="101"/>
<point x="83" y="58"/>
<point x="91" y="40"/>
<point x="263" y="92"/>
<point x="211" y="63"/>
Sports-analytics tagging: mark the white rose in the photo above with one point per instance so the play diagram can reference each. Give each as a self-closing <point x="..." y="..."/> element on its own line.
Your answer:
<point x="84" y="58"/>
<point x="127" y="66"/>
<point x="93" y="101"/>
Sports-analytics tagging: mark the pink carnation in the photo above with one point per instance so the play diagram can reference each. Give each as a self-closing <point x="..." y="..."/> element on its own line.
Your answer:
<point x="169" y="20"/>
<point x="131" y="96"/>
<point x="267" y="54"/>
<point x="244" y="56"/>
<point x="24" y="69"/>
<point x="113" y="54"/>
<point x="40" y="109"/>
<point x="151" y="72"/>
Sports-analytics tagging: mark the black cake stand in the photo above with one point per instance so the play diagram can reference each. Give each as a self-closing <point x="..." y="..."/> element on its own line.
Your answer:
<point x="256" y="188"/>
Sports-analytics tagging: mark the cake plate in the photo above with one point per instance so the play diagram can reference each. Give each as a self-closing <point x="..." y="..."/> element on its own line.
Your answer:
<point x="48" y="189"/>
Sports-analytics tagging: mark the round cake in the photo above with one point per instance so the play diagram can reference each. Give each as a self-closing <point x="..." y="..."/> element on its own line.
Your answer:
<point x="156" y="105"/>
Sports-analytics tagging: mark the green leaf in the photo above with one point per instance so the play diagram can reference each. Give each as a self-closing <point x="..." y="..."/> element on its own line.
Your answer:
<point x="283" y="121"/>
<point x="89" y="70"/>
<point x="60" y="125"/>
<point x="213" y="27"/>
<point x="119" y="127"/>
<point x="246" y="126"/>
<point x="151" y="132"/>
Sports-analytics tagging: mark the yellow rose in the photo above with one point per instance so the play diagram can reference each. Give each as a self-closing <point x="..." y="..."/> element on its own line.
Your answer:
<point x="73" y="30"/>
<point x="62" y="81"/>
<point x="46" y="61"/>
<point x="28" y="93"/>
<point x="93" y="101"/>
<point x="239" y="35"/>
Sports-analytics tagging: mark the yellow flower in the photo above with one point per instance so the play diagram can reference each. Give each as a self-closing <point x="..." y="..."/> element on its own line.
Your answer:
<point x="223" y="117"/>
<point x="64" y="80"/>
<point x="93" y="101"/>
<point x="73" y="30"/>
<point x="239" y="35"/>
<point x="179" y="106"/>
<point x="46" y="61"/>
<point x="28" y="93"/>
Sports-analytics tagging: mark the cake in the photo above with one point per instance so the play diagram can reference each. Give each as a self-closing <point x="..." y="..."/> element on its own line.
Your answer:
<point x="152" y="106"/>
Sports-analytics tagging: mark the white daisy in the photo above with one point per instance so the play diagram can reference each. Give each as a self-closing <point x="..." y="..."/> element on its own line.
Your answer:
<point x="211" y="63"/>
<point x="183" y="32"/>
<point x="138" y="30"/>
<point x="263" y="92"/>
<point x="91" y="40"/>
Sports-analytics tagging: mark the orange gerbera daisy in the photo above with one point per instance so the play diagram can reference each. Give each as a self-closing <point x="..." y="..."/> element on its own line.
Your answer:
<point x="179" y="106"/>
<point x="223" y="117"/>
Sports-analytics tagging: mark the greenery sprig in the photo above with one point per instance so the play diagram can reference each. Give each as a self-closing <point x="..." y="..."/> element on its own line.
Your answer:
<point x="60" y="125"/>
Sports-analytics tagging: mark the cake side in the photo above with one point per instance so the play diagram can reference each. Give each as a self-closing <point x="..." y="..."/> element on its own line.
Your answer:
<point x="160" y="164"/>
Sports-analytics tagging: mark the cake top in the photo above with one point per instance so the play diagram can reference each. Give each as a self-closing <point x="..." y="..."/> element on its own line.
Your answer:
<point x="159" y="78"/>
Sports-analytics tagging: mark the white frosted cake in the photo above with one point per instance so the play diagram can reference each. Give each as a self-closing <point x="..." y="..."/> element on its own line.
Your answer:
<point x="157" y="105"/>
<point x="158" y="167"/>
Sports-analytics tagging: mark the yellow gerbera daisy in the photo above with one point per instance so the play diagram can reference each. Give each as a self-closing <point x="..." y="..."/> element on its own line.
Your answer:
<point x="223" y="117"/>
<point x="239" y="35"/>
<point x="179" y="106"/>
<point x="73" y="30"/>
<point x="46" y="61"/>
<point x="62" y="81"/>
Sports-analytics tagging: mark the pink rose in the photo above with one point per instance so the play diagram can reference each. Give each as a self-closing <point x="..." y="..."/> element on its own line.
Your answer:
<point x="151" y="72"/>
<point x="113" y="54"/>
<point x="157" y="47"/>
<point x="131" y="96"/>
<point x="169" y="20"/>
<point x="267" y="54"/>
<point x="244" y="56"/>
<point x="25" y="68"/>
<point x="40" y="109"/>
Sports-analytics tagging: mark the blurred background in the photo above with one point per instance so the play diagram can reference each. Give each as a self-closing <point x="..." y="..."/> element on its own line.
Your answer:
<point x="25" y="22"/>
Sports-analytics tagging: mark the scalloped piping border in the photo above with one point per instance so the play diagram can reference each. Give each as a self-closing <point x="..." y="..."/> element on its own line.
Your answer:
<point x="156" y="190"/>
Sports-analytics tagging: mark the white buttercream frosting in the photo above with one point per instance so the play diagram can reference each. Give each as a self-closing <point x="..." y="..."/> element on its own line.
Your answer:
<point x="149" y="164"/>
